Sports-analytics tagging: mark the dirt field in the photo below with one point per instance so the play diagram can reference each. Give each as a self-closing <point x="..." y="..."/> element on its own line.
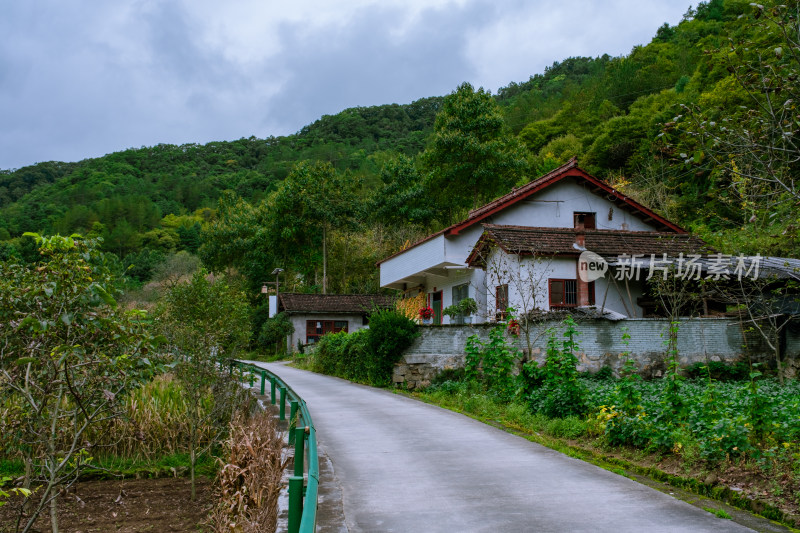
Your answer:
<point x="130" y="506"/>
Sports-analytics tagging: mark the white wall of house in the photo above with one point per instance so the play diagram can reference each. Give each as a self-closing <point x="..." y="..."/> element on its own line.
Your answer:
<point x="528" y="284"/>
<point x="619" y="296"/>
<point x="405" y="267"/>
<point x="553" y="208"/>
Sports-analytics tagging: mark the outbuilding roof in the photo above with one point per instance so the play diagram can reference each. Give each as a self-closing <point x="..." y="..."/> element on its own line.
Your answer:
<point x="295" y="303"/>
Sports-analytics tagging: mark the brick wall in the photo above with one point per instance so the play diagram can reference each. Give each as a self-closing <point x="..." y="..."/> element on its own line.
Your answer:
<point x="699" y="340"/>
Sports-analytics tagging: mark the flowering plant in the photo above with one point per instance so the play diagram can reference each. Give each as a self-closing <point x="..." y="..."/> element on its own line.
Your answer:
<point x="425" y="312"/>
<point x="513" y="327"/>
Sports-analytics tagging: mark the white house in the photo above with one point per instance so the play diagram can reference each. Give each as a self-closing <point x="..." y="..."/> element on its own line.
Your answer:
<point x="522" y="250"/>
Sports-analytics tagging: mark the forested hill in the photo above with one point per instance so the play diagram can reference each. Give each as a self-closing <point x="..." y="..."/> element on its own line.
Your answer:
<point x="687" y="124"/>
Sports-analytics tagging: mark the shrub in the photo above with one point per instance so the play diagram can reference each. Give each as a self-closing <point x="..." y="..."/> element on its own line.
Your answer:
<point x="367" y="355"/>
<point x="557" y="392"/>
<point x="390" y="333"/>
<point x="491" y="363"/>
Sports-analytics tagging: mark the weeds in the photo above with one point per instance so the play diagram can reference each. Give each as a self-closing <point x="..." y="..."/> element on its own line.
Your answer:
<point x="250" y="482"/>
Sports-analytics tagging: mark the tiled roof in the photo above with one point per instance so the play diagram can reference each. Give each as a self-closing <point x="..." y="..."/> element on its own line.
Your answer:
<point x="569" y="169"/>
<point x="333" y="303"/>
<point x="561" y="241"/>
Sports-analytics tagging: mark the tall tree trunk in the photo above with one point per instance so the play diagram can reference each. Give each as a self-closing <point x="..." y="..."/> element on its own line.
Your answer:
<point x="193" y="456"/>
<point x="324" y="258"/>
<point x="54" y="511"/>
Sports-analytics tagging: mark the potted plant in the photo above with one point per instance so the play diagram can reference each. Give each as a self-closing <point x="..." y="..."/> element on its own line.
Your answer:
<point x="426" y="314"/>
<point x="465" y="308"/>
<point x="468" y="307"/>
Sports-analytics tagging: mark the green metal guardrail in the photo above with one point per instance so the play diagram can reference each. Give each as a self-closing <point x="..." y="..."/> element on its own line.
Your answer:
<point x="302" y="500"/>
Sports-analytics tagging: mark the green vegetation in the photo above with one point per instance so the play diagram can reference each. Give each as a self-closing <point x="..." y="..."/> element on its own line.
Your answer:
<point x="683" y="124"/>
<point x="83" y="388"/>
<point x="205" y="323"/>
<point x="367" y="355"/>
<point x="718" y="512"/>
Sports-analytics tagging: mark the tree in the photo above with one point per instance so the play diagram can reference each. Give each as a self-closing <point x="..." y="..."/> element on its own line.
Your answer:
<point x="205" y="323"/>
<point x="313" y="200"/>
<point x="66" y="354"/>
<point x="753" y="147"/>
<point x="471" y="156"/>
<point x="766" y="302"/>
<point x="401" y="200"/>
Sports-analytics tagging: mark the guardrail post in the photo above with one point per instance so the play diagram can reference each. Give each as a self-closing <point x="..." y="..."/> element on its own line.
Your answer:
<point x="230" y="367"/>
<point x="292" y="420"/>
<point x="295" y="503"/>
<point x="299" y="450"/>
<point x="283" y="404"/>
<point x="272" y="390"/>
<point x="263" y="379"/>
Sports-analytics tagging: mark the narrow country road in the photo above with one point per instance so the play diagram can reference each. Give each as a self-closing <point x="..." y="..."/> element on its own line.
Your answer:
<point x="407" y="467"/>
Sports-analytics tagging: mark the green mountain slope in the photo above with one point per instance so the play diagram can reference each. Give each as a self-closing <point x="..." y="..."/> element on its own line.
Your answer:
<point x="640" y="121"/>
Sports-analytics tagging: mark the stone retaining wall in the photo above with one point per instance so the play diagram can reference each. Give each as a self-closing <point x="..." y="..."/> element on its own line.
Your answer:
<point x="699" y="340"/>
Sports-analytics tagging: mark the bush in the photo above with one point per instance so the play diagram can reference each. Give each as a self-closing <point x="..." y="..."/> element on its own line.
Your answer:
<point x="554" y="389"/>
<point x="367" y="355"/>
<point x="390" y="333"/>
<point x="342" y="354"/>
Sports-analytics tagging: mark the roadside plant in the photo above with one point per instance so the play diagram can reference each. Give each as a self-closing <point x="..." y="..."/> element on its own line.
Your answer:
<point x="559" y="392"/>
<point x="273" y="333"/>
<point x="206" y="323"/>
<point x="625" y="421"/>
<point x="491" y="363"/>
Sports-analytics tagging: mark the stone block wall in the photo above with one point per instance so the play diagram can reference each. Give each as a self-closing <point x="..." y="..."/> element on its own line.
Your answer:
<point x="699" y="340"/>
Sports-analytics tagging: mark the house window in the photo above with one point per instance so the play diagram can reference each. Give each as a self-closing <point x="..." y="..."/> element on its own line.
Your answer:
<point x="460" y="292"/>
<point x="584" y="220"/>
<point x="501" y="300"/>
<point x="317" y="328"/>
<point x="563" y="293"/>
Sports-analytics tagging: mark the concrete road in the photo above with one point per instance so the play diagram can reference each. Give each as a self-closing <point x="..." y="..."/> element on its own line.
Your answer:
<point x="406" y="466"/>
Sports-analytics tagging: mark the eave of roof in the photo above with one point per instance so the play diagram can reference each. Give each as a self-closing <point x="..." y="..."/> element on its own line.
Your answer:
<point x="525" y="240"/>
<point x="569" y="169"/>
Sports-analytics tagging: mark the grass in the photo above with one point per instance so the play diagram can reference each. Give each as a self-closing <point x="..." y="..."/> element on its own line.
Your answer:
<point x="718" y="512"/>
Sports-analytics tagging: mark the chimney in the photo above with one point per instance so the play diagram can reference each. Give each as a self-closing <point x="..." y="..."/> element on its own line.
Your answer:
<point x="581" y="286"/>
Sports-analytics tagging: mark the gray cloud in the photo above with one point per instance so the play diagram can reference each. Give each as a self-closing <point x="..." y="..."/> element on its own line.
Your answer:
<point x="85" y="78"/>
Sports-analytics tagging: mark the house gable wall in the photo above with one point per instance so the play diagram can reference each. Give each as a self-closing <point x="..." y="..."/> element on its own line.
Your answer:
<point x="553" y="208"/>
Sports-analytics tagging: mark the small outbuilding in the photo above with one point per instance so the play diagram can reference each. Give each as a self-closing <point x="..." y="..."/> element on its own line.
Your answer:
<point x="314" y="315"/>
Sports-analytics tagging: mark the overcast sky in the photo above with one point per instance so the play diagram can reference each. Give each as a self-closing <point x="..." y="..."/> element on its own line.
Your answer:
<point x="83" y="78"/>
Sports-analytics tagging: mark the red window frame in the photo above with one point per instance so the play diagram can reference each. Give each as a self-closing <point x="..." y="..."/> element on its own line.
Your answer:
<point x="568" y="296"/>
<point x="562" y="293"/>
<point x="501" y="300"/>
<point x="317" y="328"/>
